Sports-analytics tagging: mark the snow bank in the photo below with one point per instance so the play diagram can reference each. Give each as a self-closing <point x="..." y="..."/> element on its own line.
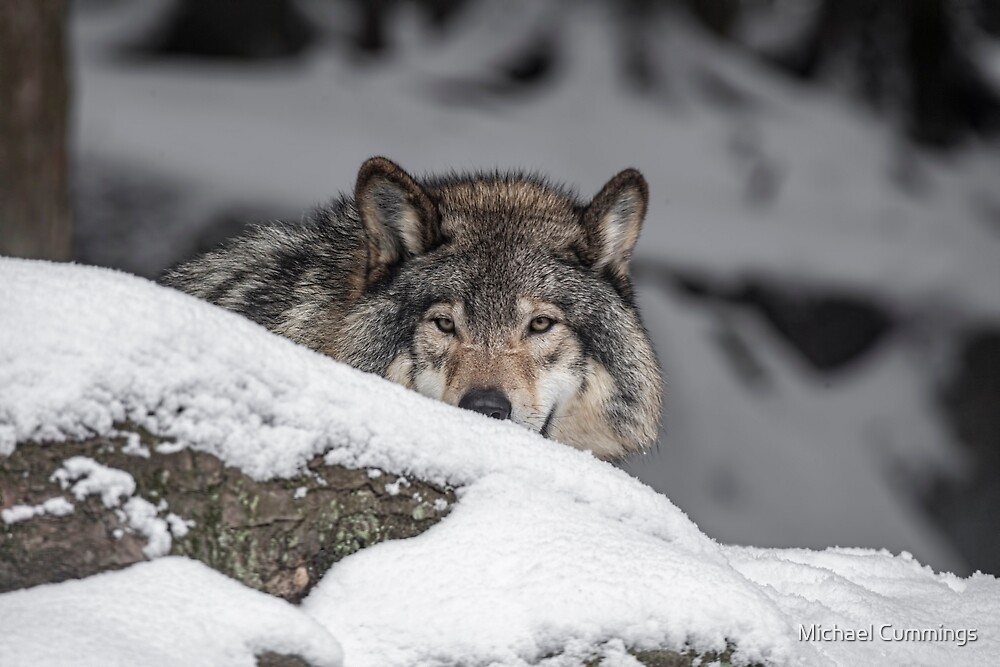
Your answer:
<point x="548" y="552"/>
<point x="169" y="612"/>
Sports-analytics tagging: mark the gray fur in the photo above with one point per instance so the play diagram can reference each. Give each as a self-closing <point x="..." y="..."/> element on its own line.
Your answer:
<point x="358" y="286"/>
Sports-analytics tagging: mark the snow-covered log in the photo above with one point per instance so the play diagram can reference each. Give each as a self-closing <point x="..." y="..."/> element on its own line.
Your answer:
<point x="112" y="501"/>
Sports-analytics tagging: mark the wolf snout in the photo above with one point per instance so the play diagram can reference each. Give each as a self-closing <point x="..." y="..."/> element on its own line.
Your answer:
<point x="490" y="402"/>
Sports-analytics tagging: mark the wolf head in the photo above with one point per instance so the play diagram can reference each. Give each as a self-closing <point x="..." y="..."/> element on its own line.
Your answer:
<point x="505" y="295"/>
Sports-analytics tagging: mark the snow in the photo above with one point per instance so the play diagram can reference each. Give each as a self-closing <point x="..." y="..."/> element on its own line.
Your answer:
<point x="518" y="568"/>
<point x="393" y="488"/>
<point x="141" y="516"/>
<point x="133" y="445"/>
<point x="166" y="613"/>
<point x="548" y="553"/>
<point x="178" y="526"/>
<point x="57" y="506"/>
<point x="85" y="476"/>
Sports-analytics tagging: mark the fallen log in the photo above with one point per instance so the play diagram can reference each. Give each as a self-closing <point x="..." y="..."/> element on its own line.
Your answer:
<point x="278" y="536"/>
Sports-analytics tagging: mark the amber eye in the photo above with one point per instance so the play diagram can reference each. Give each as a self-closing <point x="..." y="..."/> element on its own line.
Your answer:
<point x="445" y="324"/>
<point x="541" y="324"/>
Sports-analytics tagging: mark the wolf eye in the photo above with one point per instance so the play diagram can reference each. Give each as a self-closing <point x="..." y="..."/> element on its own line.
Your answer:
<point x="541" y="324"/>
<point x="445" y="324"/>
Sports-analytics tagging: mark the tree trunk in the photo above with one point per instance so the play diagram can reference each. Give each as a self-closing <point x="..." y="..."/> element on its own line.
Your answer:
<point x="34" y="97"/>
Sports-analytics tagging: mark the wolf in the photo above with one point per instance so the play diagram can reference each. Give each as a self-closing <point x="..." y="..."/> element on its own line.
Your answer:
<point x="497" y="292"/>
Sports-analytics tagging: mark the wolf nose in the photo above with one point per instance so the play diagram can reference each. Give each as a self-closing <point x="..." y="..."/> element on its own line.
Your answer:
<point x="490" y="402"/>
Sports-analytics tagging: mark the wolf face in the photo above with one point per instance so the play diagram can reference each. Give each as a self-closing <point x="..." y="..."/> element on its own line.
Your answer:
<point x="497" y="293"/>
<point x="509" y="298"/>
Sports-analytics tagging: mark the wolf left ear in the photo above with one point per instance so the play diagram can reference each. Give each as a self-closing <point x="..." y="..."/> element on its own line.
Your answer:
<point x="399" y="219"/>
<point x="612" y="222"/>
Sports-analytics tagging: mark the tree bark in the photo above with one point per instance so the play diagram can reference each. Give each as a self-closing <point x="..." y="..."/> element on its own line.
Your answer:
<point x="278" y="536"/>
<point x="34" y="97"/>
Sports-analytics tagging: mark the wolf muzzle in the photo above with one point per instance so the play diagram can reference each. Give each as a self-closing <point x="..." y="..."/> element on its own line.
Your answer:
<point x="490" y="402"/>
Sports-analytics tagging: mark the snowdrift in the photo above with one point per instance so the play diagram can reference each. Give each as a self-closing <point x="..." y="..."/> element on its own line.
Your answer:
<point x="548" y="557"/>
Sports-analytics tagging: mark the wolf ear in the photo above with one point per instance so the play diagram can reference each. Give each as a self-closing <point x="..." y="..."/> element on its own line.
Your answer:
<point x="612" y="222"/>
<point x="399" y="219"/>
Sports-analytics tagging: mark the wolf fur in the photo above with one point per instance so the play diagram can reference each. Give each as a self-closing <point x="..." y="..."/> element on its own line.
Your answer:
<point x="498" y="292"/>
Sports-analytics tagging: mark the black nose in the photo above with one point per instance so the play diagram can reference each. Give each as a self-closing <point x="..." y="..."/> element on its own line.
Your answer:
<point x="490" y="402"/>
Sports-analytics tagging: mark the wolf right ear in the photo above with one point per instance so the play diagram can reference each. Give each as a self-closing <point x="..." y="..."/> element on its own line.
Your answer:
<point x="399" y="219"/>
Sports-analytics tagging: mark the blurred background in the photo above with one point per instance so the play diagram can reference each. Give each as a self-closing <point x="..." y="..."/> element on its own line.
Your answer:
<point x="819" y="271"/>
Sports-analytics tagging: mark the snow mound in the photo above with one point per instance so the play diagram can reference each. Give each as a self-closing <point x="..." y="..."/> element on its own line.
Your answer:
<point x="548" y="554"/>
<point x="170" y="612"/>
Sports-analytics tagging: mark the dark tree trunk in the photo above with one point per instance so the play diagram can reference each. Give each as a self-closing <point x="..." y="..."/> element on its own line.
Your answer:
<point x="34" y="97"/>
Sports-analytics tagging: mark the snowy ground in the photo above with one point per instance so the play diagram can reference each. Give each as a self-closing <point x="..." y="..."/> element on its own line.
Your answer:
<point x="792" y="183"/>
<point x="548" y="555"/>
<point x="169" y="612"/>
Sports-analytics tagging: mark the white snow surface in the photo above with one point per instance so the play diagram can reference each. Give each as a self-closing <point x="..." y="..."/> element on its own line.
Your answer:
<point x="167" y="613"/>
<point x="141" y="516"/>
<point x="84" y="476"/>
<point x="547" y="551"/>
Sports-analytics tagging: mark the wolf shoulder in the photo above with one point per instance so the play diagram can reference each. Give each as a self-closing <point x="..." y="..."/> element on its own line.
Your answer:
<point x="286" y="276"/>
